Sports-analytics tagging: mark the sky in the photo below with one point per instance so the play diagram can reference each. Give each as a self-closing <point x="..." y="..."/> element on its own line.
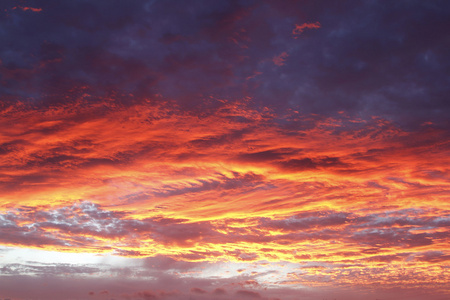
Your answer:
<point x="240" y="149"/>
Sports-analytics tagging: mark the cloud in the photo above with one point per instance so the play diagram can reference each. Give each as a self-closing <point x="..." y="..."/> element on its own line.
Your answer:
<point x="181" y="245"/>
<point x="47" y="270"/>
<point x="267" y="155"/>
<point x="307" y="221"/>
<point x="433" y="256"/>
<point x="219" y="292"/>
<point x="308" y="163"/>
<point x="218" y="153"/>
<point x="300" y="28"/>
<point x="146" y="295"/>
<point x="247" y="294"/>
<point x="198" y="291"/>
<point x="111" y="56"/>
<point x="280" y="60"/>
<point x="25" y="8"/>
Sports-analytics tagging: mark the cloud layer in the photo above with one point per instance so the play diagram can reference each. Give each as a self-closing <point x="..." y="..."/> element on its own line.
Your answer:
<point x="224" y="149"/>
<point x="365" y="58"/>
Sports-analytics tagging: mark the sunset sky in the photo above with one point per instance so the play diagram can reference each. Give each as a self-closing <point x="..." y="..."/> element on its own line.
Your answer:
<point x="224" y="150"/>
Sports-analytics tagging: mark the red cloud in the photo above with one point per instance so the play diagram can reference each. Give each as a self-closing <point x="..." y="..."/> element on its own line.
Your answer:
<point x="280" y="59"/>
<point x="300" y="28"/>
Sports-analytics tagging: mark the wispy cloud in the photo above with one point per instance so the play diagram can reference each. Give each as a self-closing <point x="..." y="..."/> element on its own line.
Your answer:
<point x="300" y="28"/>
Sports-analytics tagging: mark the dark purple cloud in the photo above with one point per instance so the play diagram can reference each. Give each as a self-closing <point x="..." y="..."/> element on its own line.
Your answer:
<point x="367" y="58"/>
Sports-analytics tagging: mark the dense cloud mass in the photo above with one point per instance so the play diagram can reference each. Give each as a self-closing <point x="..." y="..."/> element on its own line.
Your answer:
<point x="224" y="149"/>
<point x="363" y="57"/>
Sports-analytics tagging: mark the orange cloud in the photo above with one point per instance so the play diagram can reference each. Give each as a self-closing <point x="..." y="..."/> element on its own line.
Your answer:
<point x="25" y="8"/>
<point x="338" y="196"/>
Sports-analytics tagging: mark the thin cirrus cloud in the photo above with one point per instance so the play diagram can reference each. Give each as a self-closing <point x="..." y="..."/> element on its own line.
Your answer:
<point x="244" y="149"/>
